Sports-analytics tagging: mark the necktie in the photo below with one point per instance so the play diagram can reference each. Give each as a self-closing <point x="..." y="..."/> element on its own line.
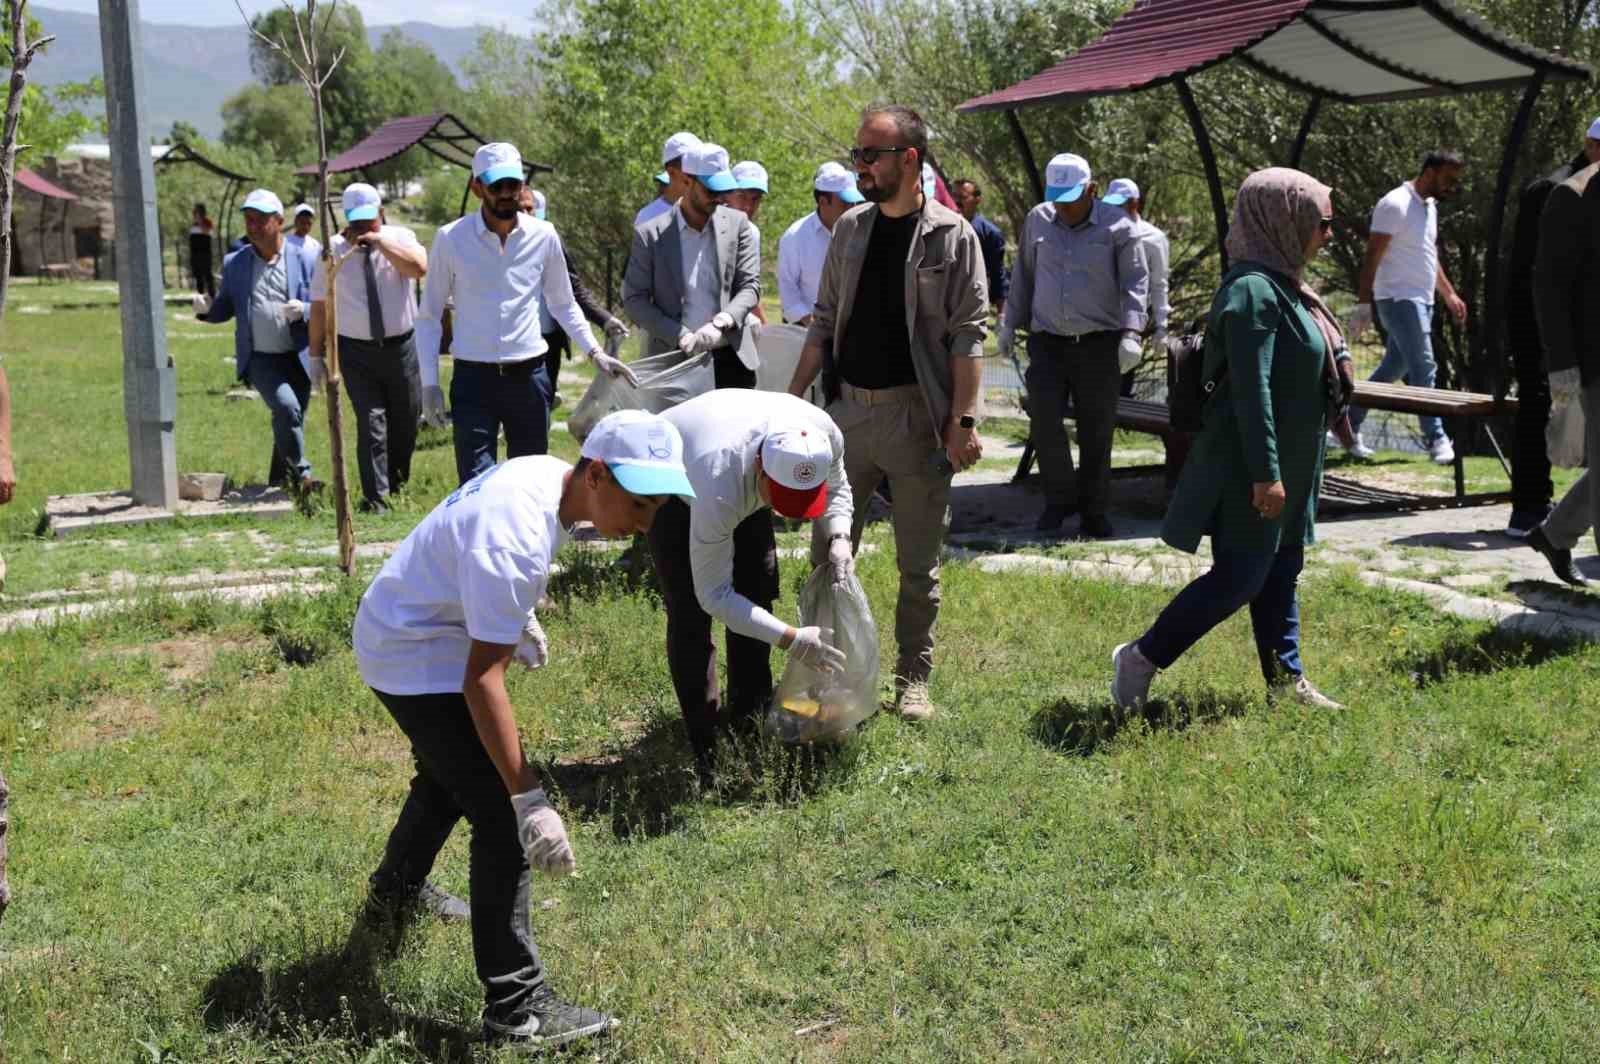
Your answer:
<point x="374" y="308"/>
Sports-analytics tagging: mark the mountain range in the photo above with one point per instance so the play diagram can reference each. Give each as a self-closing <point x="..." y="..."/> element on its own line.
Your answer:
<point x="190" y="70"/>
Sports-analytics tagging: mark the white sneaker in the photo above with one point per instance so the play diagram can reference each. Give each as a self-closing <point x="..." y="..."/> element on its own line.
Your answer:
<point x="1442" y="451"/>
<point x="1359" y="448"/>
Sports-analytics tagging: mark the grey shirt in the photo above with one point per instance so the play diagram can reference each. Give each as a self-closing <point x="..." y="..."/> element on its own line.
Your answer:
<point x="1157" y="252"/>
<point x="1088" y="278"/>
<point x="269" y="290"/>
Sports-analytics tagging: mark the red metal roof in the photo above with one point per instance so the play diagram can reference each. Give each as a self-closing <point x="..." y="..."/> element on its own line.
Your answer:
<point x="442" y="134"/>
<point x="34" y="183"/>
<point x="1350" y="50"/>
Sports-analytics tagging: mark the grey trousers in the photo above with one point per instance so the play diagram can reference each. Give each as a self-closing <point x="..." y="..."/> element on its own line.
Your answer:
<point x="1088" y="371"/>
<point x="386" y="391"/>
<point x="1579" y="509"/>
<point x="892" y="437"/>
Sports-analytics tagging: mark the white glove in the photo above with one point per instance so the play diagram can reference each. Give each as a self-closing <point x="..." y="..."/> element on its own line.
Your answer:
<point x="200" y="302"/>
<point x="706" y="338"/>
<point x="319" y="373"/>
<point x="1564" y="385"/>
<point x="811" y="646"/>
<point x="433" y="406"/>
<point x="1129" y="351"/>
<point x="533" y="649"/>
<point x="841" y="560"/>
<point x="686" y="342"/>
<point x="1359" y="321"/>
<point x="617" y="328"/>
<point x="293" y="310"/>
<point x="1007" y="337"/>
<point x="612" y="366"/>
<point x="543" y="836"/>
<point x="723" y="321"/>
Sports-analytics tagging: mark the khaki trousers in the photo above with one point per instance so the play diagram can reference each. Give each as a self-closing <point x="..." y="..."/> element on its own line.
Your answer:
<point x="888" y="434"/>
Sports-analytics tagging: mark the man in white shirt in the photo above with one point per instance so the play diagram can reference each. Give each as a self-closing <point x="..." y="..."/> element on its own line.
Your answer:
<point x="803" y="248"/>
<point x="1399" y="277"/>
<point x="1124" y="192"/>
<point x="673" y="181"/>
<point x="305" y="217"/>
<point x="745" y="452"/>
<point x="434" y="636"/>
<point x="376" y="315"/>
<point x="497" y="266"/>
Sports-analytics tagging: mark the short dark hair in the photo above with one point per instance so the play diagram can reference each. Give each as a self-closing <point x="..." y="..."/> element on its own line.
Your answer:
<point x="912" y="129"/>
<point x="201" y="207"/>
<point x="1439" y="158"/>
<point x="958" y="182"/>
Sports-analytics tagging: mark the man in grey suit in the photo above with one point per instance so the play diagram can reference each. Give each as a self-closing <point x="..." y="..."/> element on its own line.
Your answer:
<point x="694" y="273"/>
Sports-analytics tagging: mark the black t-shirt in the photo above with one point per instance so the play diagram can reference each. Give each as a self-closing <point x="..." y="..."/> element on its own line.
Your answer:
<point x="876" y="351"/>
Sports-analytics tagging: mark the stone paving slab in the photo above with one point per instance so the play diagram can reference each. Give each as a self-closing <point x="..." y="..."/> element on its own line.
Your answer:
<point x="65" y="514"/>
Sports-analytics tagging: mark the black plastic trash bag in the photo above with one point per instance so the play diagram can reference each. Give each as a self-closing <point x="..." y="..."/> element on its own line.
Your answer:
<point x="664" y="381"/>
<point x="811" y="706"/>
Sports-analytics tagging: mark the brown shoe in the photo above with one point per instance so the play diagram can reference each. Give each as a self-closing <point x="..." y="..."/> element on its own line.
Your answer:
<point x="913" y="702"/>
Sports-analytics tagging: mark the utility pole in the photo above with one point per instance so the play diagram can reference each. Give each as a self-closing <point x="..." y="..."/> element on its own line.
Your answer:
<point x="149" y="382"/>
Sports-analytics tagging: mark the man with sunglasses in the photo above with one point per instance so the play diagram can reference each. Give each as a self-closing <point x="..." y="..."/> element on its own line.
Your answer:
<point x="499" y="267"/>
<point x="908" y="393"/>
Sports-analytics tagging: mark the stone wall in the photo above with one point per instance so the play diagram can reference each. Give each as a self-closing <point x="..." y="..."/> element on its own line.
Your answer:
<point x="90" y="181"/>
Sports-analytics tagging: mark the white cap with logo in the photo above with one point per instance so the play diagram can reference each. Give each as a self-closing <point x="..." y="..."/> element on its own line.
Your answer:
<point x="796" y="458"/>
<point x="304" y="208"/>
<point x="750" y="175"/>
<point x="1121" y="191"/>
<point x="360" y="202"/>
<point x="496" y="162"/>
<point x="1065" y="178"/>
<point x="831" y="177"/>
<point x="709" y="162"/>
<point x="1594" y="129"/>
<point x="677" y="146"/>
<point x="263" y="200"/>
<point x="644" y="452"/>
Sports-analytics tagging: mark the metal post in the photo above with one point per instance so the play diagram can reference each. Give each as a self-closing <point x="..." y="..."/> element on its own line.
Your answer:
<point x="1026" y="151"/>
<point x="1490" y="340"/>
<point x="1208" y="158"/>
<point x="149" y="383"/>
<point x="1298" y="152"/>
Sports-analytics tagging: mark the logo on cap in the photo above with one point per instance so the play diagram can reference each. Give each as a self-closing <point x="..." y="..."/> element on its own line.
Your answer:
<point x="805" y="472"/>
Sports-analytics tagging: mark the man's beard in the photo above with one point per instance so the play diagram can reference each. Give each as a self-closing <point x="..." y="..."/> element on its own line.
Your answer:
<point x="878" y="192"/>
<point x="505" y="214"/>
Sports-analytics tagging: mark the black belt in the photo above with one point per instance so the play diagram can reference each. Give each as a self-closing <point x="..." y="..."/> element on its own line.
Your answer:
<point x="503" y="369"/>
<point x="1083" y="337"/>
<point x="387" y="341"/>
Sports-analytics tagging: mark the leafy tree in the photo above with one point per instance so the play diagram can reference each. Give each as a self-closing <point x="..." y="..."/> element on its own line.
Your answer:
<point x="348" y="99"/>
<point x="275" y="119"/>
<point x="407" y="79"/>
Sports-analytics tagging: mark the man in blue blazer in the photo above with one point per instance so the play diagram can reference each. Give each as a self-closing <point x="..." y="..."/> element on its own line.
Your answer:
<point x="266" y="289"/>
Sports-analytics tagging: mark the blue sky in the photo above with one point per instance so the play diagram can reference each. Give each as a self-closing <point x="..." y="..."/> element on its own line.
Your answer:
<point x="376" y="12"/>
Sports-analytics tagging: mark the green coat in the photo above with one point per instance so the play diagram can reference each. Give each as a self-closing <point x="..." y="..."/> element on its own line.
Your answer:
<point x="1265" y="422"/>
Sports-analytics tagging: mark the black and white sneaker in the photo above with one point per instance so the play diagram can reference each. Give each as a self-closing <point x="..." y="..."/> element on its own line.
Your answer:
<point x="546" y="1020"/>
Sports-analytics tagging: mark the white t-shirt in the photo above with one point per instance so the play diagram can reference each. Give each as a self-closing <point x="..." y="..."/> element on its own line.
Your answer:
<point x="654" y="209"/>
<point x="1409" y="268"/>
<point x="802" y="250"/>
<point x="473" y="569"/>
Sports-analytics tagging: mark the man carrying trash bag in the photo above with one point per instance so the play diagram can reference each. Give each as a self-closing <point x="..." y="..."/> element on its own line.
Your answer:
<point x="450" y="611"/>
<point x="744" y="451"/>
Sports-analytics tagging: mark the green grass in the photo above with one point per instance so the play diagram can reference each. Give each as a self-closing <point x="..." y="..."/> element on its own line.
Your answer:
<point x="194" y="819"/>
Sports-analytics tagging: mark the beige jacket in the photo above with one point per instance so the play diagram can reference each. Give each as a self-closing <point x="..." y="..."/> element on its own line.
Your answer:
<point x="947" y="296"/>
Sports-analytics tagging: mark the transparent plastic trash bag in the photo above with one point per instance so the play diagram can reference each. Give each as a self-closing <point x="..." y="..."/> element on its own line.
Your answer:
<point x="811" y="706"/>
<point x="664" y="381"/>
<point x="1564" y="435"/>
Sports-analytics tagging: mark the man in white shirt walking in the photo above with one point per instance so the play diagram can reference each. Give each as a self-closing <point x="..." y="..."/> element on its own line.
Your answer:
<point x="300" y="238"/>
<point x="434" y="636"/>
<point x="803" y="248"/>
<point x="498" y="266"/>
<point x="1399" y="277"/>
<point x="744" y="452"/>
<point x="377" y="310"/>
<point x="1124" y="192"/>
<point x="673" y="181"/>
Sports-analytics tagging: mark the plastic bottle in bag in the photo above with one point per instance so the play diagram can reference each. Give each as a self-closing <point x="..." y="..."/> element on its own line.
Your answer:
<point x="813" y="706"/>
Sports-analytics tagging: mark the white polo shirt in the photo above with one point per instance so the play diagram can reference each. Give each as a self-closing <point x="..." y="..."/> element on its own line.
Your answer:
<point x="308" y="243"/>
<point x="702" y="288"/>
<point x="397" y="295"/>
<point x="1409" y="268"/>
<point x="654" y="209"/>
<point x="473" y="569"/>
<point x="722" y="435"/>
<point x="497" y="292"/>
<point x="802" y="249"/>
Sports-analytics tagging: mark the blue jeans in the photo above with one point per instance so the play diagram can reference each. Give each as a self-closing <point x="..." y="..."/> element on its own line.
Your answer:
<point x="1407" y="353"/>
<point x="485" y="396"/>
<point x="282" y="383"/>
<point x="1236" y="577"/>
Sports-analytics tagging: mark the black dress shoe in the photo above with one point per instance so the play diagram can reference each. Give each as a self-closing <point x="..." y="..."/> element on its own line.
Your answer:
<point x="1095" y="526"/>
<point x="1052" y="517"/>
<point x="1560" y="560"/>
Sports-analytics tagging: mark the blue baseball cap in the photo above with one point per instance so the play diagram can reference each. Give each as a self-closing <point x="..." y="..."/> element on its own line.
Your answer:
<point x="709" y="163"/>
<point x="496" y="162"/>
<point x="644" y="452"/>
<point x="361" y="202"/>
<point x="663" y="178"/>
<point x="263" y="200"/>
<point x="831" y="177"/>
<point x="1066" y="178"/>
<point x="1120" y="191"/>
<point x="751" y="175"/>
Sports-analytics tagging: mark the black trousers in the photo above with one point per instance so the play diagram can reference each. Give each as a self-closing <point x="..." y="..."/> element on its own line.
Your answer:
<point x="386" y="391"/>
<point x="1088" y="372"/>
<point x="691" y="654"/>
<point x="1531" y="487"/>
<point x="558" y="344"/>
<point x="455" y="778"/>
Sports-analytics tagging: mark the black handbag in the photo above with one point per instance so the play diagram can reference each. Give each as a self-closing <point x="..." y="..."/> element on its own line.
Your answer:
<point x="1188" y="389"/>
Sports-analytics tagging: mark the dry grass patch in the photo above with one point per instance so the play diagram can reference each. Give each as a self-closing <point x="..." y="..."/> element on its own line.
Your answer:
<point x="112" y="719"/>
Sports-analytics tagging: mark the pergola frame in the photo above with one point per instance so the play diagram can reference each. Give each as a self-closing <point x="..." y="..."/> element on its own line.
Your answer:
<point x="233" y="183"/>
<point x="1276" y="39"/>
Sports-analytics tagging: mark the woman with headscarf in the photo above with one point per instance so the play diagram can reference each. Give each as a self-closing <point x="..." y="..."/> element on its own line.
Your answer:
<point x="1282" y="373"/>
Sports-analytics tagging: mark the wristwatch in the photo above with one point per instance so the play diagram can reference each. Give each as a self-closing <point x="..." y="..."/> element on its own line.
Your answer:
<point x="967" y="421"/>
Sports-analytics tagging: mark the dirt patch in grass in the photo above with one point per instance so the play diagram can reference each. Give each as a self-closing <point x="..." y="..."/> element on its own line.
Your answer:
<point x="110" y="720"/>
<point x="189" y="658"/>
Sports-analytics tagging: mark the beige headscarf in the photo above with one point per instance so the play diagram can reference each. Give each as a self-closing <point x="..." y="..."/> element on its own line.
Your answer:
<point x="1274" y="217"/>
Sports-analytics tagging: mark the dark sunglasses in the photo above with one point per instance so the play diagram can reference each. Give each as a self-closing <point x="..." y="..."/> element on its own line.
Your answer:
<point x="868" y="156"/>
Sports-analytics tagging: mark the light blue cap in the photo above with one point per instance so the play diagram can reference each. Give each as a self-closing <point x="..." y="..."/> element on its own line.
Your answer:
<point x="1066" y="178"/>
<point x="644" y="452"/>
<point x="496" y="162"/>
<point x="1121" y="191"/>
<point x="750" y="175"/>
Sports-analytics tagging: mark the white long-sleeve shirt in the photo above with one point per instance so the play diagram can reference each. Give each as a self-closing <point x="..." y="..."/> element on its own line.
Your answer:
<point x="802" y="250"/>
<point x="1157" y="253"/>
<point x="722" y="434"/>
<point x="496" y="291"/>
